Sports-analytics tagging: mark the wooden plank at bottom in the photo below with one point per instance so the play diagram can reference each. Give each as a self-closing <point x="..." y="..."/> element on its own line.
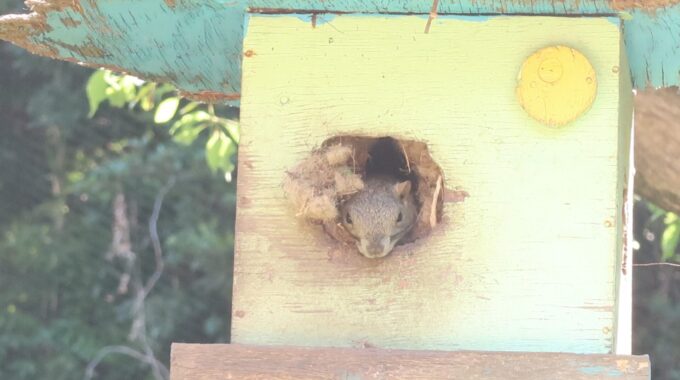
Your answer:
<point x="234" y="361"/>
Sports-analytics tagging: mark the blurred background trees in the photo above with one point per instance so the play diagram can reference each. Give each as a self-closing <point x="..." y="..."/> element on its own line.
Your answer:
<point x="94" y="206"/>
<point x="656" y="290"/>
<point x="117" y="204"/>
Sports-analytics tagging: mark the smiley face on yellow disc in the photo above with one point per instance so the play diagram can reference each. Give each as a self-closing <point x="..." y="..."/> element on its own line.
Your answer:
<point x="556" y="85"/>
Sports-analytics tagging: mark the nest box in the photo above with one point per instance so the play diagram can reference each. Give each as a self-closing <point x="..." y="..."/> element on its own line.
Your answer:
<point x="529" y="116"/>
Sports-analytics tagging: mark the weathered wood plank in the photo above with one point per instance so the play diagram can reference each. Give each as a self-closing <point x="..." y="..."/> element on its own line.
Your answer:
<point x="224" y="361"/>
<point x="652" y="47"/>
<point x="196" y="44"/>
<point x="544" y="209"/>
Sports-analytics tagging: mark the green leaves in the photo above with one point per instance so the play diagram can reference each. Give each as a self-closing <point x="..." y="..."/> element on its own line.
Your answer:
<point x="224" y="135"/>
<point x="96" y="91"/>
<point x="126" y="90"/>
<point x="166" y="110"/>
<point x="670" y="237"/>
<point x="233" y="130"/>
<point x="218" y="151"/>
<point x="185" y="130"/>
<point x="60" y="301"/>
<point x="118" y="90"/>
<point x="189" y="119"/>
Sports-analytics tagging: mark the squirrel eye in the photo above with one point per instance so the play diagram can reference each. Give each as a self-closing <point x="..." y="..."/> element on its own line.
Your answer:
<point x="348" y="219"/>
<point x="399" y="217"/>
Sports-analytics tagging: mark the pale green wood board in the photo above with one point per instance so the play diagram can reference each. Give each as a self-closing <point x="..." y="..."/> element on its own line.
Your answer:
<point x="528" y="262"/>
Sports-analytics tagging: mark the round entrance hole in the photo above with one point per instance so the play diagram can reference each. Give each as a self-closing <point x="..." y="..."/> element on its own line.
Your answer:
<point x="320" y="185"/>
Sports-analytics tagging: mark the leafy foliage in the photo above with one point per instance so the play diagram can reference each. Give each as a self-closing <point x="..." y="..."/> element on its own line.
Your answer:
<point x="188" y="123"/>
<point x="70" y="165"/>
<point x="670" y="238"/>
<point x="656" y="313"/>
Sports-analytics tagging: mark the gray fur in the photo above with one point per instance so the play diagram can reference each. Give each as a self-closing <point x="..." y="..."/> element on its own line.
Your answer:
<point x="373" y="213"/>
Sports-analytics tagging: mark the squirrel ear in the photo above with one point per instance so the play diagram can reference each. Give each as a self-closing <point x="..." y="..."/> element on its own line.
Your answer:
<point x="402" y="189"/>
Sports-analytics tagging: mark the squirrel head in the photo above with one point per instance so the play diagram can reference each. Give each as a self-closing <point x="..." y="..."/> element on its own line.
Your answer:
<point x="379" y="215"/>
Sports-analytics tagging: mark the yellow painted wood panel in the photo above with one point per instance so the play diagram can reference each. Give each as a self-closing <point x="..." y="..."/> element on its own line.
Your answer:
<point x="527" y="262"/>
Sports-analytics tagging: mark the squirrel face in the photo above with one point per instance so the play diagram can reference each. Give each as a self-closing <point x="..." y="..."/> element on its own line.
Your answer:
<point x="379" y="215"/>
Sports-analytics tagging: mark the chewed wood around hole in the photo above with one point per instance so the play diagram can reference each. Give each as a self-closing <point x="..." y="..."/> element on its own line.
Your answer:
<point x="319" y="185"/>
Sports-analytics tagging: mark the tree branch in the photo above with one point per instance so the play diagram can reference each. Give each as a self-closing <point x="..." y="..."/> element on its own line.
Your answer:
<point x="123" y="350"/>
<point x="155" y="240"/>
<point x="142" y="289"/>
<point x="138" y="329"/>
<point x="657" y="265"/>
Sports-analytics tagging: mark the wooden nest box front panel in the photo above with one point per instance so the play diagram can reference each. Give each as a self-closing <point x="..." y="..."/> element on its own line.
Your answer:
<point x="528" y="261"/>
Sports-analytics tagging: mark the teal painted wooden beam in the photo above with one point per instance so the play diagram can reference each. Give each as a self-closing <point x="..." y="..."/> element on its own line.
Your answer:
<point x="196" y="44"/>
<point x="653" y="47"/>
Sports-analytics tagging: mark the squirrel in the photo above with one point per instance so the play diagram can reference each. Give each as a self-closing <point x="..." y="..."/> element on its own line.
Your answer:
<point x="379" y="215"/>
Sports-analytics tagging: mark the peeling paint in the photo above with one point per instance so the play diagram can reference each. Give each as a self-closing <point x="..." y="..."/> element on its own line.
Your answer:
<point x="44" y="6"/>
<point x="192" y="45"/>
<point x="87" y="49"/>
<point x="652" y="48"/>
<point x="210" y="96"/>
<point x="177" y="40"/>
<point x="69" y="22"/>
<point x="316" y="19"/>
<point x="620" y="5"/>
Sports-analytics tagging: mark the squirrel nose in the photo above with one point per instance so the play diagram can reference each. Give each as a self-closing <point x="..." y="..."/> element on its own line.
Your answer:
<point x="375" y="247"/>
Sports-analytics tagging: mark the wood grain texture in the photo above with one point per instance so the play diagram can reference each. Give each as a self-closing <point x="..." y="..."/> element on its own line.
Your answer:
<point x="222" y="361"/>
<point x="657" y="147"/>
<point x="623" y="344"/>
<point x="528" y="262"/>
<point x="196" y="44"/>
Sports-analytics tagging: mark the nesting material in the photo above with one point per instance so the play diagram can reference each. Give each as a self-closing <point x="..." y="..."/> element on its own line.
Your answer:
<point x="317" y="184"/>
